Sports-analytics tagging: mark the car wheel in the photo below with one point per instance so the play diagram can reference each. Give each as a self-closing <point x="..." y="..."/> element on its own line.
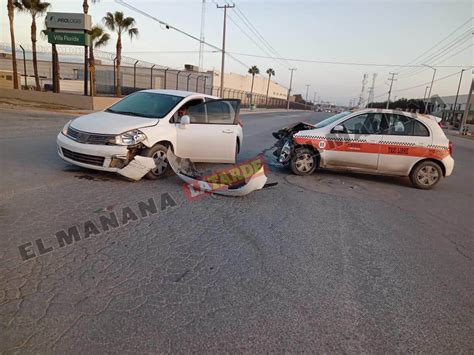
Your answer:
<point x="426" y="175"/>
<point x="158" y="153"/>
<point x="303" y="161"/>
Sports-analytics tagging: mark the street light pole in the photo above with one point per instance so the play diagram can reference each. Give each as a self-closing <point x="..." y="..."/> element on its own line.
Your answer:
<point x="456" y="100"/>
<point x="468" y="105"/>
<point x="289" y="90"/>
<point x="431" y="87"/>
<point x="225" y="7"/>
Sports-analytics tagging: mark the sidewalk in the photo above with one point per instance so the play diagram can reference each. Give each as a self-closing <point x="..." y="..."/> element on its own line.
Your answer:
<point x="20" y="105"/>
<point x="455" y="133"/>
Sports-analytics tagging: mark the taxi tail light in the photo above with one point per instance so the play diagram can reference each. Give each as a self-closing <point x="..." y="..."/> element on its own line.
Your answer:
<point x="450" y="147"/>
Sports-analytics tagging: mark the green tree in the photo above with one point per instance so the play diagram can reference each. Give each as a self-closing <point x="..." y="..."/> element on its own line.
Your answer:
<point x="11" y="16"/>
<point x="116" y="22"/>
<point x="270" y="73"/>
<point x="99" y="38"/>
<point x="253" y="70"/>
<point x="85" y="5"/>
<point x="36" y="8"/>
<point x="56" y="82"/>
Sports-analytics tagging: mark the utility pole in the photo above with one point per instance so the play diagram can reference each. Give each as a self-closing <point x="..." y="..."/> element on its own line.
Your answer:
<point x="456" y="100"/>
<point x="306" y="100"/>
<point x="371" y="90"/>
<point x="390" y="90"/>
<point x="361" y="96"/>
<point x="466" y="110"/>
<point x="201" y="38"/>
<point x="431" y="87"/>
<point x="424" y="96"/>
<point x="289" y="90"/>
<point x="225" y="7"/>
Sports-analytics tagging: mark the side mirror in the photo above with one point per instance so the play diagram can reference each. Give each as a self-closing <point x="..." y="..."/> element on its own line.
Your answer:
<point x="185" y="120"/>
<point x="338" y="129"/>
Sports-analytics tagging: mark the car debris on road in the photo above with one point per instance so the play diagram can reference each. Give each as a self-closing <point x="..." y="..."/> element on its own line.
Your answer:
<point x="234" y="183"/>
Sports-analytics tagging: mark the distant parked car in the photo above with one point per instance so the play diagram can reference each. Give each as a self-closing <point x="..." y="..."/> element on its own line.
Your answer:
<point x="200" y="127"/>
<point x="376" y="141"/>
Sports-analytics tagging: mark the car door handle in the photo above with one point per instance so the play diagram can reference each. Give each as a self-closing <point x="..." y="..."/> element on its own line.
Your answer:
<point x="227" y="131"/>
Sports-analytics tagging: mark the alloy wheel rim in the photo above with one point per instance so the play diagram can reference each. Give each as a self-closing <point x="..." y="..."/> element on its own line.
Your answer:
<point x="427" y="175"/>
<point x="304" y="163"/>
<point x="161" y="162"/>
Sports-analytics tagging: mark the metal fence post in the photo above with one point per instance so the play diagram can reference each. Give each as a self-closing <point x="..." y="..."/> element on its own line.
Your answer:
<point x="187" y="81"/>
<point x="177" y="79"/>
<point x="135" y="75"/>
<point x="151" y="76"/>
<point x="24" y="65"/>
<point x="115" y="75"/>
<point x="165" y="79"/>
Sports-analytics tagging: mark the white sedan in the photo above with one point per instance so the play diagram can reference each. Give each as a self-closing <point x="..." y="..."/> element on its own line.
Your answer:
<point x="200" y="127"/>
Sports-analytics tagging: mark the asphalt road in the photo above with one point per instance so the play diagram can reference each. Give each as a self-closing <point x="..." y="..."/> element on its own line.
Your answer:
<point x="333" y="262"/>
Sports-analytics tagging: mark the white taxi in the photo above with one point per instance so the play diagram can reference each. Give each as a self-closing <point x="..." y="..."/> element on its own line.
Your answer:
<point x="376" y="141"/>
<point x="200" y="127"/>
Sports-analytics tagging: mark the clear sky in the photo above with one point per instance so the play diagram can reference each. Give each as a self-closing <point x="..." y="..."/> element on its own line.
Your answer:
<point x="362" y="31"/>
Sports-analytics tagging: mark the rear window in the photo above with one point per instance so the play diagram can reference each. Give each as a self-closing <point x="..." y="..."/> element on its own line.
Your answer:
<point x="420" y="130"/>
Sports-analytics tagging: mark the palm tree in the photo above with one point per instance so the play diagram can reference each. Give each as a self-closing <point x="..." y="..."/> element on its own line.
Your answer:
<point x="99" y="38"/>
<point x="116" y="22"/>
<point x="11" y="15"/>
<point x="36" y="8"/>
<point x="270" y="72"/>
<point x="253" y="70"/>
<point x="85" y="5"/>
<point x="56" y="82"/>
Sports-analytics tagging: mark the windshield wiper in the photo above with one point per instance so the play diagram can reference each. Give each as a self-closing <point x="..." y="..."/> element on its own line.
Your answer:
<point x="129" y="113"/>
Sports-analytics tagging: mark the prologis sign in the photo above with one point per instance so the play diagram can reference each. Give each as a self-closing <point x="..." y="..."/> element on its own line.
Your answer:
<point x="69" y="38"/>
<point x="68" y="21"/>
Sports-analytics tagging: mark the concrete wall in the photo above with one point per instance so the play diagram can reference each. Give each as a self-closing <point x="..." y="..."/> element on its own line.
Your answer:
<point x="244" y="83"/>
<point x="70" y="100"/>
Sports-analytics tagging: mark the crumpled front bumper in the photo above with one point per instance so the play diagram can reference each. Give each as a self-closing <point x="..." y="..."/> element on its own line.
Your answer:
<point x="98" y="157"/>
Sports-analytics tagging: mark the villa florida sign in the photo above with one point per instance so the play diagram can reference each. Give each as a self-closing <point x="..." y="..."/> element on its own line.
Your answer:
<point x="68" y="28"/>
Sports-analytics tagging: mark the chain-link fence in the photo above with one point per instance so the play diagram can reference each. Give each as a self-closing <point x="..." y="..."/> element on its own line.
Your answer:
<point x="134" y="75"/>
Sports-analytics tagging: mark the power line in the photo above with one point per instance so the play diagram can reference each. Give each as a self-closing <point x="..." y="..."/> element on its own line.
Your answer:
<point x="443" y="51"/>
<point x="417" y="86"/>
<point x="168" y="26"/>
<point x="346" y="63"/>
<point x="258" y="34"/>
<point x="442" y="40"/>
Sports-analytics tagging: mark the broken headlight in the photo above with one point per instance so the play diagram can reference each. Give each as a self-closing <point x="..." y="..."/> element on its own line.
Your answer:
<point x="130" y="138"/>
<point x="285" y="153"/>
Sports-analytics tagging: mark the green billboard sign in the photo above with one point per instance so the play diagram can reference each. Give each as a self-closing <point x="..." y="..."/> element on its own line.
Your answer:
<point x="69" y="38"/>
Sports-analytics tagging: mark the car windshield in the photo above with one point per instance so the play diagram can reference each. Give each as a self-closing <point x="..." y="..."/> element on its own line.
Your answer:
<point x="146" y="104"/>
<point x="331" y="119"/>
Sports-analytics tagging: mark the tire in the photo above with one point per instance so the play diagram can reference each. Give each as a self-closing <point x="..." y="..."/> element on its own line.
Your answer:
<point x="303" y="161"/>
<point x="163" y="168"/>
<point x="426" y="175"/>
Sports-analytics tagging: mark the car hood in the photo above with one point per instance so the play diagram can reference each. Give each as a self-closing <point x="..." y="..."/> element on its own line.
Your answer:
<point x="310" y="132"/>
<point x="110" y="123"/>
